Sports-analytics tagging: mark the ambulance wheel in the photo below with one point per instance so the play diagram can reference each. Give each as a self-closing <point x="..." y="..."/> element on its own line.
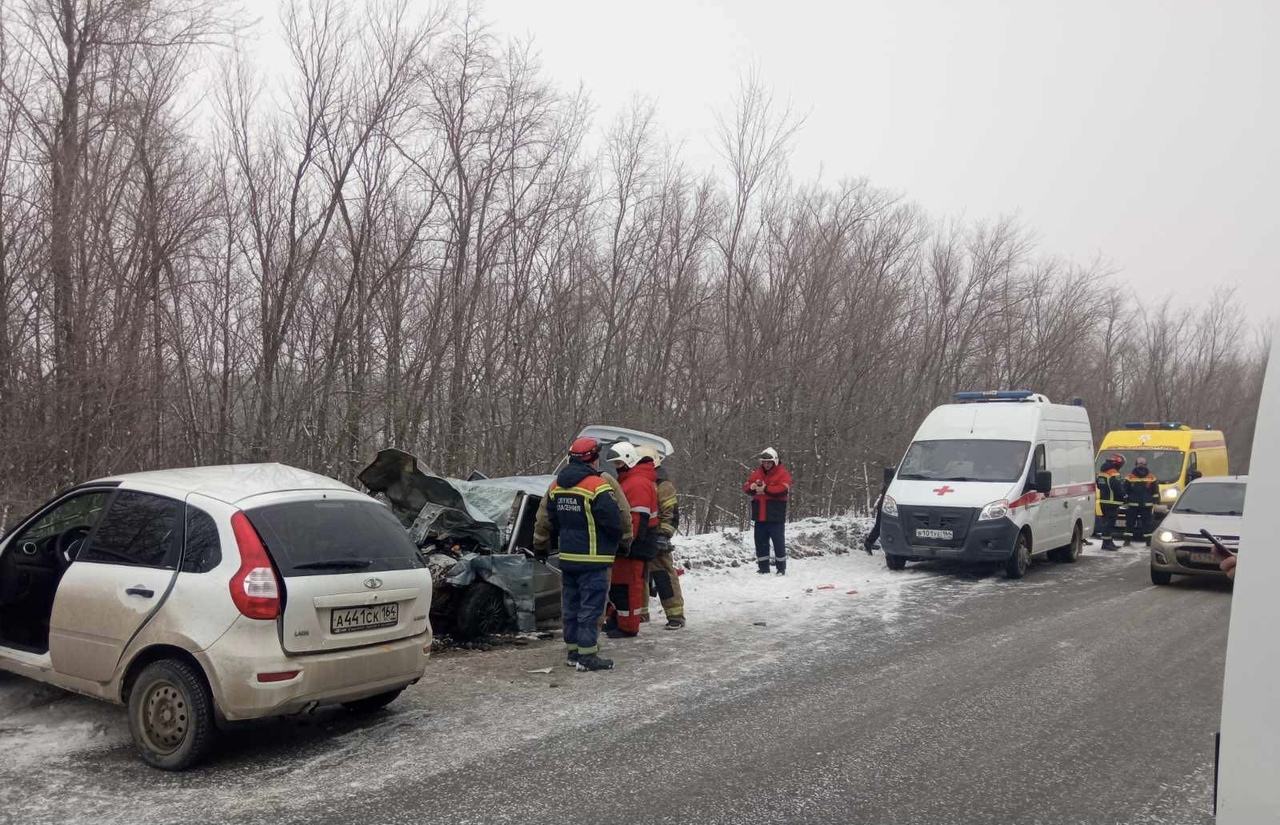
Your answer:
<point x="1020" y="558"/>
<point x="1071" y="552"/>
<point x="1161" y="578"/>
<point x="895" y="562"/>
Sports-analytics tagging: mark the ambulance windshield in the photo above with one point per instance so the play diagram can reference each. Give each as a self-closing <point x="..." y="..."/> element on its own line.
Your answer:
<point x="1164" y="464"/>
<point x="969" y="459"/>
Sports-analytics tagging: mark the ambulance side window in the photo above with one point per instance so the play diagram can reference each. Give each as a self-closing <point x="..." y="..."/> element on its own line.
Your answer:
<point x="1038" y="465"/>
<point x="1193" y="467"/>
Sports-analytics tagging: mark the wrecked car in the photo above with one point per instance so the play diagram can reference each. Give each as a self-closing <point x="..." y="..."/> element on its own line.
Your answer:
<point x="475" y="537"/>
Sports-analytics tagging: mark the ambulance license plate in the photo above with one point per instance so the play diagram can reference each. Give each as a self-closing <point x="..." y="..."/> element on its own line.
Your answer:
<point x="371" y="617"/>
<point x="933" y="534"/>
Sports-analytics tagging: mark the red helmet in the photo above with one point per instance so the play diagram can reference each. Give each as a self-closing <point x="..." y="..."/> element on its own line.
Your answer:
<point x="1117" y="460"/>
<point x="585" y="449"/>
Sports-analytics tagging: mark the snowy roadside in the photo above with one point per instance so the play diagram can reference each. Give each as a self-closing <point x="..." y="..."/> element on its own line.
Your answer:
<point x="473" y="705"/>
<point x="806" y="538"/>
<point x="44" y="725"/>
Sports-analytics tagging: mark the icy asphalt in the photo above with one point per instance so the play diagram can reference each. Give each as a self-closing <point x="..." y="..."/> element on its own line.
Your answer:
<point x="1081" y="694"/>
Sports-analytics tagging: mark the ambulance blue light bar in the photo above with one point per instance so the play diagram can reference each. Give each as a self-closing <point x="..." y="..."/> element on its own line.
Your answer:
<point x="994" y="395"/>
<point x="1153" y="425"/>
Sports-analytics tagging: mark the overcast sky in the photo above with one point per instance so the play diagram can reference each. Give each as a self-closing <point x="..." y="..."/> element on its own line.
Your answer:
<point x="1144" y="132"/>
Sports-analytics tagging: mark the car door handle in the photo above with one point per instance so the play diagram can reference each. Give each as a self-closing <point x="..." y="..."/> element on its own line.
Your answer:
<point x="144" y="592"/>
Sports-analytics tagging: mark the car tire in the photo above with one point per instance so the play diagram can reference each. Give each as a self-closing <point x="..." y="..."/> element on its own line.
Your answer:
<point x="1160" y="577"/>
<point x="171" y="715"/>
<point x="1020" y="559"/>
<point x="1071" y="553"/>
<point x="482" y="612"/>
<point x="369" y="704"/>
<point x="895" y="562"/>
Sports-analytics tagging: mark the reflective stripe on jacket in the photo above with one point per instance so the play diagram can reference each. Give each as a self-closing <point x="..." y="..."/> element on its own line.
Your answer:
<point x="1110" y="487"/>
<point x="1141" y="491"/>
<point x="581" y="515"/>
<point x="668" y="506"/>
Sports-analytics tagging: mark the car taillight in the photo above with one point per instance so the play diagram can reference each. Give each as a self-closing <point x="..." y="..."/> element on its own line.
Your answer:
<point x="254" y="588"/>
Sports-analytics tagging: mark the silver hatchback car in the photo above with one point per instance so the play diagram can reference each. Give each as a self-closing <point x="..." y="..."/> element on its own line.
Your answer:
<point x="214" y="594"/>
<point x="1215" y="504"/>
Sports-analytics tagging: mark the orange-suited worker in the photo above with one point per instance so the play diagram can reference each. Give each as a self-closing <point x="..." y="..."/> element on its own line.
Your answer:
<point x="580" y="515"/>
<point x="629" y="589"/>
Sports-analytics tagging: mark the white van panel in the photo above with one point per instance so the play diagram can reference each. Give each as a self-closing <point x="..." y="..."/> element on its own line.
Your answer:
<point x="1249" y="760"/>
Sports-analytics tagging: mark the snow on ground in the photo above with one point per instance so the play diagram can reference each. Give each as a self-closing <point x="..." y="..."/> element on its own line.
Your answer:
<point x="65" y="758"/>
<point x="806" y="538"/>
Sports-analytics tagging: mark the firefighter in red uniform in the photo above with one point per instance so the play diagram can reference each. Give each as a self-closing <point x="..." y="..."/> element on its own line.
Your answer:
<point x="1110" y="496"/>
<point x="768" y="487"/>
<point x="1142" y="491"/>
<point x="629" y="590"/>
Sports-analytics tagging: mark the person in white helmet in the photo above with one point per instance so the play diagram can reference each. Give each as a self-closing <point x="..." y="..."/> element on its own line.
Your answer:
<point x="629" y="588"/>
<point x="769" y="487"/>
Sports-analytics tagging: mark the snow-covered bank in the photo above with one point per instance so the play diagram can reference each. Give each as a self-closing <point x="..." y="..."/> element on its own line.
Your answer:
<point x="806" y="538"/>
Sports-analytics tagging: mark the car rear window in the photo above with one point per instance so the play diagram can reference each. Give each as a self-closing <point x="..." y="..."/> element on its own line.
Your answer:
<point x="324" y="537"/>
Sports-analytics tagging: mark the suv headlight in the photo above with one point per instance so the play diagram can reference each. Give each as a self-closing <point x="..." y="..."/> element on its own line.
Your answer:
<point x="1170" y="494"/>
<point x="1169" y="537"/>
<point x="889" y="507"/>
<point x="994" y="510"/>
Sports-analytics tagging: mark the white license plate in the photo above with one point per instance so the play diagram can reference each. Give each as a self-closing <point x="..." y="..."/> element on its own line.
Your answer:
<point x="1201" y="558"/>
<point x="933" y="534"/>
<point x="370" y="617"/>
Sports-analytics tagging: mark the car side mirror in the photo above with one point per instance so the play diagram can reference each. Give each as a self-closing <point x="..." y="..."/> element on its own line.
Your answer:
<point x="1194" y="474"/>
<point x="1044" y="482"/>
<point x="889" y="474"/>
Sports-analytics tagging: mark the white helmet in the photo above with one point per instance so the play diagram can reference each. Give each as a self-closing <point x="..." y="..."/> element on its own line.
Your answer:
<point x="645" y="451"/>
<point x="624" y="452"/>
<point x="769" y="454"/>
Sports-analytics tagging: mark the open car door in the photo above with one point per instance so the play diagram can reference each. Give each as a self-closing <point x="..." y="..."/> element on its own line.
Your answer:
<point x="607" y="434"/>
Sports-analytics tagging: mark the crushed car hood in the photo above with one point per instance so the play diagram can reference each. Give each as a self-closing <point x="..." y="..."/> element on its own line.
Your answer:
<point x="433" y="507"/>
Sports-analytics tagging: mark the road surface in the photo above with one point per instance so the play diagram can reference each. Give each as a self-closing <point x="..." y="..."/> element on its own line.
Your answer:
<point x="1081" y="694"/>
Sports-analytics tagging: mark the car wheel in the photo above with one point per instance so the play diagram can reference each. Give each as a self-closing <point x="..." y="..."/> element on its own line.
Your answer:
<point x="1019" y="559"/>
<point x="1160" y="577"/>
<point x="483" y="612"/>
<point x="371" y="703"/>
<point x="895" y="562"/>
<point x="171" y="715"/>
<point x="1071" y="552"/>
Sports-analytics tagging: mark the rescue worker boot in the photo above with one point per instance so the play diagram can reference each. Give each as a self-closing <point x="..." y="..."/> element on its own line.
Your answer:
<point x="592" y="662"/>
<point x="572" y="659"/>
<point x="616" y="633"/>
<point x="1109" y="545"/>
<point x="674" y="624"/>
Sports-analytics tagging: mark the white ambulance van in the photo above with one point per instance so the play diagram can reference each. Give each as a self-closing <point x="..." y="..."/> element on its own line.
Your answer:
<point x="995" y="477"/>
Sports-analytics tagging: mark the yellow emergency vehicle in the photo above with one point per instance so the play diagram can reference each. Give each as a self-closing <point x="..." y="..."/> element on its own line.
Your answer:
<point x="1175" y="453"/>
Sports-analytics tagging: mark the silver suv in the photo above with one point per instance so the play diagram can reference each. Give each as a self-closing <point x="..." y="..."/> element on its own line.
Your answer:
<point x="214" y="594"/>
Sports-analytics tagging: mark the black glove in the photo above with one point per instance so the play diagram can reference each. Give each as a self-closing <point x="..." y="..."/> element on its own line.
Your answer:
<point x="662" y="543"/>
<point x="542" y="553"/>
